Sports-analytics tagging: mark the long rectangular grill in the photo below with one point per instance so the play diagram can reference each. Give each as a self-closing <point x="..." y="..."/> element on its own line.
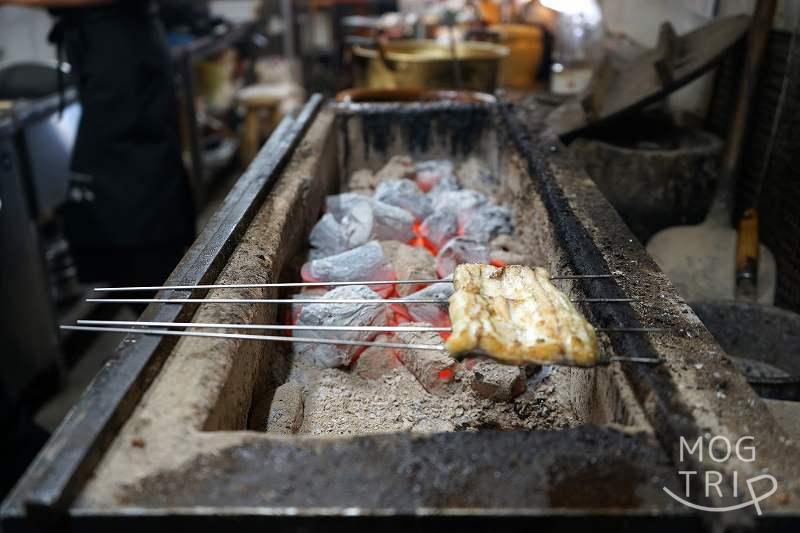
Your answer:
<point x="161" y="435"/>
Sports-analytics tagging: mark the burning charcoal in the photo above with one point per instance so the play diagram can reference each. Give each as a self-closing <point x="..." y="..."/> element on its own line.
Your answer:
<point x="434" y="314"/>
<point x="286" y="409"/>
<point x="391" y="223"/>
<point x="439" y="228"/>
<point x="362" y="179"/>
<point x="431" y="173"/>
<point x="388" y="222"/>
<point x="398" y="167"/>
<point x="486" y="222"/>
<point x="448" y="184"/>
<point x="321" y="314"/>
<point x="458" y="251"/>
<point x="474" y="174"/>
<point x="375" y="362"/>
<point x="331" y="236"/>
<point x="406" y="195"/>
<point x="501" y="383"/>
<point x="367" y="263"/>
<point x="409" y="262"/>
<point x="434" y="370"/>
<point x="463" y="200"/>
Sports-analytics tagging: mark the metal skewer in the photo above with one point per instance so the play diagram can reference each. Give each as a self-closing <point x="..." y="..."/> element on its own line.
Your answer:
<point x="304" y="327"/>
<point x="361" y="301"/>
<point x="281" y="338"/>
<point x="244" y="336"/>
<point x="277" y="327"/>
<point x="316" y="284"/>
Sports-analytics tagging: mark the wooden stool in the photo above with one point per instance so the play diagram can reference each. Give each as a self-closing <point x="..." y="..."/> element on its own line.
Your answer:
<point x="258" y="99"/>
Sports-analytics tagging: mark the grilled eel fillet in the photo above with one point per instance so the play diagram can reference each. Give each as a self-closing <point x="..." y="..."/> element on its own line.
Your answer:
<point x="515" y="315"/>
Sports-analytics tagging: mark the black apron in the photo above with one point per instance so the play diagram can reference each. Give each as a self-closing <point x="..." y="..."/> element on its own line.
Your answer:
<point x="129" y="193"/>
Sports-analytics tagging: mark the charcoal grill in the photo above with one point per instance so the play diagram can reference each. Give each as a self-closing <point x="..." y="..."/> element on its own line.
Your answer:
<point x="161" y="439"/>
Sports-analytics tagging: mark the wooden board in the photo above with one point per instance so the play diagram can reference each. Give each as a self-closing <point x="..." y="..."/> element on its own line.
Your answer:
<point x="642" y="81"/>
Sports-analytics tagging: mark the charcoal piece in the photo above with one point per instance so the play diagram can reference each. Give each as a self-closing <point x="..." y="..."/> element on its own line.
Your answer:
<point x="431" y="173"/>
<point x="435" y="371"/>
<point x="332" y="314"/>
<point x="367" y="263"/>
<point x="474" y="174"/>
<point x="486" y="222"/>
<point x="331" y="236"/>
<point x="458" y="251"/>
<point x="448" y="184"/>
<point x="375" y="361"/>
<point x="362" y="179"/>
<point x="286" y="409"/>
<point x="434" y="314"/>
<point x="398" y="167"/>
<point x="439" y="228"/>
<point x="409" y="262"/>
<point x="406" y="195"/>
<point x="501" y="383"/>
<point x="339" y="205"/>
<point x="391" y="223"/>
<point x="461" y="200"/>
<point x="388" y="222"/>
<point x="307" y="293"/>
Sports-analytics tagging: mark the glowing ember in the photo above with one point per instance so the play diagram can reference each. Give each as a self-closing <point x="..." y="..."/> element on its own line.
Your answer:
<point x="446" y="374"/>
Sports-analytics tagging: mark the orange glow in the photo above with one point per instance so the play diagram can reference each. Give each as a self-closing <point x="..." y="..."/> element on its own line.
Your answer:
<point x="421" y="240"/>
<point x="446" y="374"/>
<point x="498" y="263"/>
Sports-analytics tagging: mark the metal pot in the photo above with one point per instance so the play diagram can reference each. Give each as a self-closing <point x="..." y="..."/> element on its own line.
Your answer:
<point x="413" y="64"/>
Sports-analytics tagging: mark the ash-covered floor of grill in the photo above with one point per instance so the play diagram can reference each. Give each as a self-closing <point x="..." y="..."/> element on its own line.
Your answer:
<point x="339" y="402"/>
<point x="411" y="220"/>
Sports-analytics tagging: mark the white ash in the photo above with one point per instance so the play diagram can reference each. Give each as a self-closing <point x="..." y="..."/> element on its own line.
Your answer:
<point x="398" y="167"/>
<point x="474" y="174"/>
<point x="339" y="402"/>
<point x="409" y="262"/>
<point x="363" y="179"/>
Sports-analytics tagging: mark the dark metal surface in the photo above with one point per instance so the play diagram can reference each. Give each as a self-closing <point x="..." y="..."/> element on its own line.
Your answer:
<point x="74" y="449"/>
<point x="770" y="335"/>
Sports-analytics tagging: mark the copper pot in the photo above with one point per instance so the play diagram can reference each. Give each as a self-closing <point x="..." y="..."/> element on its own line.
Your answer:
<point x="429" y="64"/>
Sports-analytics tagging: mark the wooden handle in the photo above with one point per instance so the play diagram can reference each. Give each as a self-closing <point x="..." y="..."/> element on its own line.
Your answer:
<point x="747" y="248"/>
